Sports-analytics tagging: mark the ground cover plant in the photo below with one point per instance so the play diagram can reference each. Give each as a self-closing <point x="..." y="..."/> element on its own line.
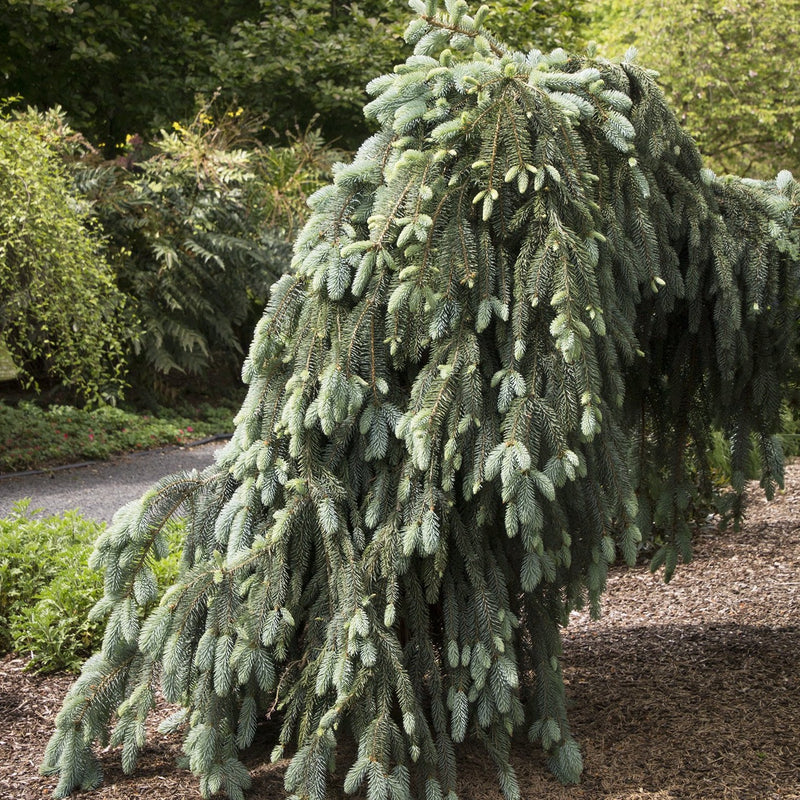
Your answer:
<point x="512" y="323"/>
<point x="36" y="438"/>
<point x="47" y="590"/>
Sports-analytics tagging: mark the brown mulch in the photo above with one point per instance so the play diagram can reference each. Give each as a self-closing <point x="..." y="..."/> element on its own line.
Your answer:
<point x="683" y="690"/>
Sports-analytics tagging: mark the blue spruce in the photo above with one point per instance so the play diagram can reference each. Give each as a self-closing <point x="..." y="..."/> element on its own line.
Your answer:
<point x="510" y="326"/>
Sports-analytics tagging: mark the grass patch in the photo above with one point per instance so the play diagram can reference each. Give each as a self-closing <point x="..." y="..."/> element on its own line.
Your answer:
<point x="34" y="437"/>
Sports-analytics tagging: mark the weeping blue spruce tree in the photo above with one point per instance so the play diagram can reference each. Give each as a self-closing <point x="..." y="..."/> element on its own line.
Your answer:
<point x="510" y="325"/>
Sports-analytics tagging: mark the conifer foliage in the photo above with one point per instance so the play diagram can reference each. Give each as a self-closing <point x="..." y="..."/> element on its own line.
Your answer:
<point x="510" y="324"/>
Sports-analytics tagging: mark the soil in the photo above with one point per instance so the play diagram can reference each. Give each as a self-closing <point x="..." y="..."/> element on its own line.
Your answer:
<point x="683" y="690"/>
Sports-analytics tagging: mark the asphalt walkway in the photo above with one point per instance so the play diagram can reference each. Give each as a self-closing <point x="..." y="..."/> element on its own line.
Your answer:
<point x="99" y="489"/>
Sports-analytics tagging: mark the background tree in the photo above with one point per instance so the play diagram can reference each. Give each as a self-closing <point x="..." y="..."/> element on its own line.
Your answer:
<point x="520" y="309"/>
<point x="543" y="24"/>
<point x="116" y="68"/>
<point x="726" y="67"/>
<point x="296" y="61"/>
<point x="136" y="67"/>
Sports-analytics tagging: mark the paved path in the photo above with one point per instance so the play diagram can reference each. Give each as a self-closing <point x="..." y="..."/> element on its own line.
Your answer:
<point x="98" y="490"/>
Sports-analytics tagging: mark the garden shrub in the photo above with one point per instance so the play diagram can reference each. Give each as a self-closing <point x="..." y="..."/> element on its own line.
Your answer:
<point x="197" y="225"/>
<point x="62" y="316"/>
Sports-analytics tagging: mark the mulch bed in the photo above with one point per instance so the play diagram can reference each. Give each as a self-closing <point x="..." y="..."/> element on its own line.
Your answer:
<point x="683" y="690"/>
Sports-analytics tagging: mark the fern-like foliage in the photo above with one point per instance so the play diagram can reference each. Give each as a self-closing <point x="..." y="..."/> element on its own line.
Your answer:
<point x="193" y="244"/>
<point x="510" y="324"/>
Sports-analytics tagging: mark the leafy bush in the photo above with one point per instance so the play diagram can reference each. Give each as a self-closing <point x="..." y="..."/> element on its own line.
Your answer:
<point x="47" y="588"/>
<point x="197" y="232"/>
<point x="55" y="631"/>
<point x="185" y="246"/>
<point x="723" y="69"/>
<point x="61" y="313"/>
<point x="790" y="429"/>
<point x="719" y="454"/>
<point x="287" y="175"/>
<point x="34" y="552"/>
<point x="34" y="437"/>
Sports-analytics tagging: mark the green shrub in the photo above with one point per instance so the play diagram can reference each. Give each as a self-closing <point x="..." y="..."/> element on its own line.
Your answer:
<point x="37" y="555"/>
<point x="197" y="232"/>
<point x="47" y="588"/>
<point x="287" y="175"/>
<point x="34" y="437"/>
<point x="56" y="631"/>
<point x="790" y="421"/>
<point x="61" y="313"/>
<point x="159" y="261"/>
<point x="719" y="453"/>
